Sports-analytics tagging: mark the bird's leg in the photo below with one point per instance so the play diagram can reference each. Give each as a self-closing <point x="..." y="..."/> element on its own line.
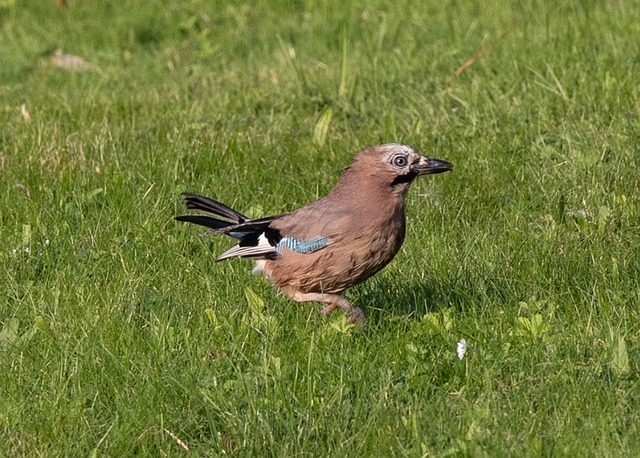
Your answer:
<point x="355" y="314"/>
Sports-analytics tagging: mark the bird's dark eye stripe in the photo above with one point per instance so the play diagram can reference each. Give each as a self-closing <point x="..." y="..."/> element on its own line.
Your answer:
<point x="399" y="160"/>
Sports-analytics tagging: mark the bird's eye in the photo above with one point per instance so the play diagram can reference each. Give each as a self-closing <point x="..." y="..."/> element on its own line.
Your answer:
<point x="399" y="161"/>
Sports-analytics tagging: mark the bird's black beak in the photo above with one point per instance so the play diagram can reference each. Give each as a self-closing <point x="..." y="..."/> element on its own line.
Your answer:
<point x="429" y="166"/>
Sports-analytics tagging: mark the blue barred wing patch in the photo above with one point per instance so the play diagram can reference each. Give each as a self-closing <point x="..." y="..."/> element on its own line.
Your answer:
<point x="301" y="246"/>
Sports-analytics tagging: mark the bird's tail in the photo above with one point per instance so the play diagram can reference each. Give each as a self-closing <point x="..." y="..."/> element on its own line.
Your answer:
<point x="257" y="240"/>
<point x="223" y="216"/>
<point x="225" y="220"/>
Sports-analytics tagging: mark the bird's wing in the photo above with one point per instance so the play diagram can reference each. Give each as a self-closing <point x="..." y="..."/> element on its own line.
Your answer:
<point x="318" y="219"/>
<point x="266" y="241"/>
<point x="306" y="230"/>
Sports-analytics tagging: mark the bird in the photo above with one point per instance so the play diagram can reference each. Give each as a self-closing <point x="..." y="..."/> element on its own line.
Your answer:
<point x="315" y="253"/>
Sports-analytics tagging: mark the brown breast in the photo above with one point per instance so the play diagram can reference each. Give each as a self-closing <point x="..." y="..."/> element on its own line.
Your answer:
<point x="360" y="250"/>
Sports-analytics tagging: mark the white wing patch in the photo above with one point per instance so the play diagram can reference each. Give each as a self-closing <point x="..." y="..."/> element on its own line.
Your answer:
<point x="262" y="248"/>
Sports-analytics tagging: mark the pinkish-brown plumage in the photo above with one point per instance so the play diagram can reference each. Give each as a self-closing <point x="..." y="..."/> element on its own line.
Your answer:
<point x="331" y="244"/>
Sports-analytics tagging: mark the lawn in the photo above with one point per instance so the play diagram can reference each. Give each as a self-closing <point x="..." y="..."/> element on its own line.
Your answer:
<point x="120" y="335"/>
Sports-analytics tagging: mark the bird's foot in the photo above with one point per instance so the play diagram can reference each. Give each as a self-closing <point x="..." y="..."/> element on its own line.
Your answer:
<point x="356" y="316"/>
<point x="327" y="310"/>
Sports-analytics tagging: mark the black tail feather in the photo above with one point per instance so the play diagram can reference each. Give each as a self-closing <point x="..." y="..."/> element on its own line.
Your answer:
<point x="213" y="207"/>
<point x="232" y="223"/>
<point x="256" y="238"/>
<point x="206" y="221"/>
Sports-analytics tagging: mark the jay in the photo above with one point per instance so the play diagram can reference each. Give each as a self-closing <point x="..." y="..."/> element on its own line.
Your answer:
<point x="318" y="251"/>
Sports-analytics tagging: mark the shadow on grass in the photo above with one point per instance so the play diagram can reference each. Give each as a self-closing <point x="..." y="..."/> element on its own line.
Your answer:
<point x="402" y="297"/>
<point x="413" y="298"/>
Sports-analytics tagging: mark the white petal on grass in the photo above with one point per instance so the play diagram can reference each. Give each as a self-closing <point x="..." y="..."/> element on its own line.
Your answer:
<point x="461" y="348"/>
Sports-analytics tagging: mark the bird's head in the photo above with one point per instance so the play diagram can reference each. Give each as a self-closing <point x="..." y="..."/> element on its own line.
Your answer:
<point x="396" y="165"/>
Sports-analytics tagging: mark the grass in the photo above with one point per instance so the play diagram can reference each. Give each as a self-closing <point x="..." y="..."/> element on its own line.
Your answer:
<point x="120" y="336"/>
